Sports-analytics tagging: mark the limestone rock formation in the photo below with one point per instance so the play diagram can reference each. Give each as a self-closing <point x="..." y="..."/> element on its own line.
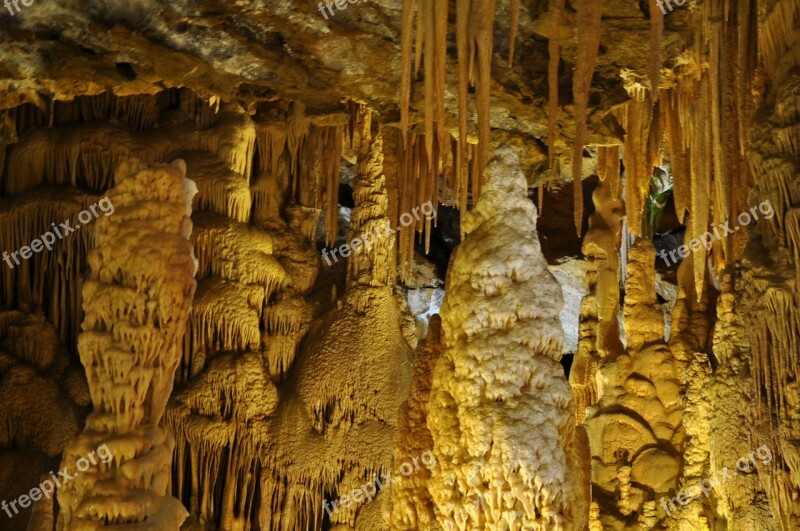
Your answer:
<point x="501" y="412"/>
<point x="657" y="139"/>
<point x="136" y="303"/>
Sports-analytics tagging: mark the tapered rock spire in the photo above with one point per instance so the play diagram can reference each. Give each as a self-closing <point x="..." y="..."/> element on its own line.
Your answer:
<point x="501" y="412"/>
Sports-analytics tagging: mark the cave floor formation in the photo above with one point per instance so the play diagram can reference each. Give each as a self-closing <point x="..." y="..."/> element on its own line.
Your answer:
<point x="426" y="265"/>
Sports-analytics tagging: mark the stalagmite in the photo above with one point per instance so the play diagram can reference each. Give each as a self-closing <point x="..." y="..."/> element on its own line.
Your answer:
<point x="512" y="32"/>
<point x="374" y="263"/>
<point x="144" y="261"/>
<point x="635" y="425"/>
<point x="411" y="503"/>
<point x="599" y="337"/>
<point x="489" y="413"/>
<point x="744" y="499"/>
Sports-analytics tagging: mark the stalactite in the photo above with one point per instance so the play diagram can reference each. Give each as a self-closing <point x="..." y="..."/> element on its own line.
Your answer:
<point x="482" y="36"/>
<point x="440" y="76"/>
<point x="513" y="9"/>
<point x="271" y="140"/>
<point x="720" y="206"/>
<point x="431" y="83"/>
<point x="297" y="127"/>
<point x="205" y="113"/>
<point x="700" y="206"/>
<point x="656" y="39"/>
<point x="554" y="57"/>
<point x="333" y="147"/>
<point x="590" y="13"/>
<point x="286" y="322"/>
<point x="635" y="119"/>
<point x="680" y="156"/>
<point x="463" y="50"/>
<point x="138" y="111"/>
<point x="220" y="190"/>
<point x="409" y="7"/>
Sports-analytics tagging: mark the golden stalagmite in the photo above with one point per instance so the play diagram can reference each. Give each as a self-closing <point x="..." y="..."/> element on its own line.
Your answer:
<point x="635" y="427"/>
<point x="501" y="413"/>
<point x="411" y="503"/>
<point x="599" y="337"/>
<point x="136" y="303"/>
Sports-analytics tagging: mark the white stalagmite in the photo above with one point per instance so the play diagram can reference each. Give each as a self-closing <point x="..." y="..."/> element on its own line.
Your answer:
<point x="136" y="303"/>
<point x="501" y="411"/>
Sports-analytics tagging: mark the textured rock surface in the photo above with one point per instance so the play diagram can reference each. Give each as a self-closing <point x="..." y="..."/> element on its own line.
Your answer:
<point x="501" y="414"/>
<point x="136" y="303"/>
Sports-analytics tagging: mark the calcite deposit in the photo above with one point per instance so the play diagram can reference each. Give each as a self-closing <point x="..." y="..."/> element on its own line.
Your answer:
<point x="267" y="254"/>
<point x="501" y="413"/>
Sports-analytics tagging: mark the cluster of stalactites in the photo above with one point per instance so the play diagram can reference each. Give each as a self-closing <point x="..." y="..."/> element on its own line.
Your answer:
<point x="300" y="161"/>
<point x="85" y="154"/>
<point x="435" y="153"/>
<point x="37" y="212"/>
<point x="710" y="185"/>
<point x="136" y="303"/>
<point x="474" y="43"/>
